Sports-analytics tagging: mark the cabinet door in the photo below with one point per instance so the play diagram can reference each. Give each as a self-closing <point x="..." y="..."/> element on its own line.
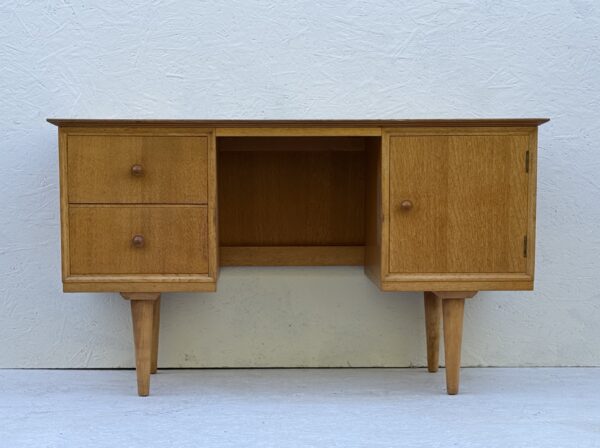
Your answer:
<point x="465" y="203"/>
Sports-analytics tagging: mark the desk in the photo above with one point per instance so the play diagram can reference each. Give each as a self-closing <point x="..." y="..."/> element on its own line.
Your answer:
<point x="441" y="206"/>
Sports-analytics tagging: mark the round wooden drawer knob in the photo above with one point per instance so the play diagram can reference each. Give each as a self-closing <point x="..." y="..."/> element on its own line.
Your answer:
<point x="137" y="241"/>
<point x="137" y="170"/>
<point x="406" y="205"/>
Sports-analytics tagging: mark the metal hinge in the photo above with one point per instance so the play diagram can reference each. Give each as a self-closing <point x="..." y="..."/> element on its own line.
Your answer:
<point x="527" y="162"/>
<point x="525" y="246"/>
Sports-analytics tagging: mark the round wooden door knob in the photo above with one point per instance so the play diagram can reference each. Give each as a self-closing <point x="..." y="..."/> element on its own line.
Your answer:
<point x="406" y="205"/>
<point x="137" y="170"/>
<point x="137" y="241"/>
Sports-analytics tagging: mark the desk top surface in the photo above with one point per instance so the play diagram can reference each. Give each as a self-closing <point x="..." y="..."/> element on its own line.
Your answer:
<point x="302" y="123"/>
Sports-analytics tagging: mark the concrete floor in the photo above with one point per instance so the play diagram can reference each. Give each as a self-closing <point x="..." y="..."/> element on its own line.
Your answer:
<point x="532" y="407"/>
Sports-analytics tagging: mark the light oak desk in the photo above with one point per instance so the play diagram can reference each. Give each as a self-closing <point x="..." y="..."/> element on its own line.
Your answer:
<point x="441" y="206"/>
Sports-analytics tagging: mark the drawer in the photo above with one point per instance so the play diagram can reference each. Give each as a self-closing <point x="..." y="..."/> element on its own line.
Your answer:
<point x="138" y="239"/>
<point x="137" y="169"/>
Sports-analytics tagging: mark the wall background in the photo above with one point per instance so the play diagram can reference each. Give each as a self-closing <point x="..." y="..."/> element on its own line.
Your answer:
<point x="301" y="59"/>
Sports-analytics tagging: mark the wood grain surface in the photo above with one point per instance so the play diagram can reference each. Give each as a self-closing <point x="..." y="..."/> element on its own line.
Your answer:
<point x="470" y="198"/>
<point x="173" y="169"/>
<point x="292" y="192"/>
<point x="175" y="240"/>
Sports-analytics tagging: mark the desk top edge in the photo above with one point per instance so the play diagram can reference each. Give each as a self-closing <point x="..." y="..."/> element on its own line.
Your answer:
<point x="506" y="122"/>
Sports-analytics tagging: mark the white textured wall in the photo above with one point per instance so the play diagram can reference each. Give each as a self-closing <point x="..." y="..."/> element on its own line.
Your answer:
<point x="302" y="59"/>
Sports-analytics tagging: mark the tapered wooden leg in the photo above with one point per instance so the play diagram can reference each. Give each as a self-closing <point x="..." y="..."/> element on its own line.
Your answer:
<point x="142" y="315"/>
<point x="453" y="326"/>
<point x="433" y="317"/>
<point x="155" y="331"/>
<point x="453" y="306"/>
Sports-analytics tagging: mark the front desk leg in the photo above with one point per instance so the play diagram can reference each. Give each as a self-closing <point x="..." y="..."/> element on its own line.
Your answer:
<point x="453" y="305"/>
<point x="143" y="310"/>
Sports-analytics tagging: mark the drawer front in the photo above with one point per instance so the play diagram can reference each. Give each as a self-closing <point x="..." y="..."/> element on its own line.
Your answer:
<point x="137" y="169"/>
<point x="138" y="240"/>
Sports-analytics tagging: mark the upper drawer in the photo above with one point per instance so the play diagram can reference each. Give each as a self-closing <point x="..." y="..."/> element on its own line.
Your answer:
<point x="137" y="169"/>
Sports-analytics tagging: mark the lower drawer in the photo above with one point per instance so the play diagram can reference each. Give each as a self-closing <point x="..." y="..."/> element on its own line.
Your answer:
<point x="138" y="240"/>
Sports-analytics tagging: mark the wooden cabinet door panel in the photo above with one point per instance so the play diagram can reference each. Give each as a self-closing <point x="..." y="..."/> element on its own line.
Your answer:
<point x="469" y="196"/>
<point x="173" y="169"/>
<point x="174" y="240"/>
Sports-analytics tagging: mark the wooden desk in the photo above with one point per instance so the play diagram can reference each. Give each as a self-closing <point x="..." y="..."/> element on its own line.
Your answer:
<point x="441" y="206"/>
